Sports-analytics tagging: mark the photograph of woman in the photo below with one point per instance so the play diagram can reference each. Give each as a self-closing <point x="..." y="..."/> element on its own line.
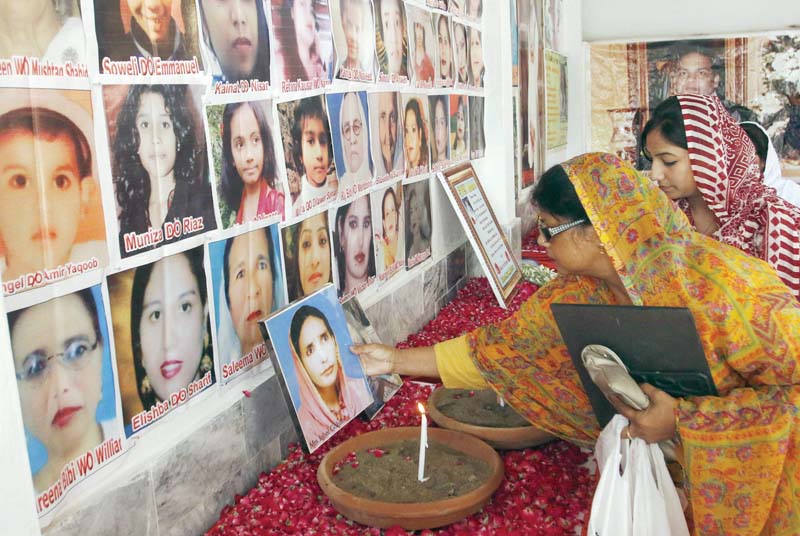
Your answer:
<point x="387" y="137"/>
<point x="477" y="139"/>
<point x="308" y="152"/>
<point x="50" y="30"/>
<point x="303" y="40"/>
<point x="424" y="52"/>
<point x="415" y="126"/>
<point x="354" y="37"/>
<point x="474" y="9"/>
<point x="476" y="67"/>
<point x="354" y="247"/>
<point x="65" y="380"/>
<point x="351" y="142"/>
<point x="244" y="154"/>
<point x="248" y="285"/>
<point x="307" y="255"/>
<point x="445" y="69"/>
<point x="418" y="222"/>
<point x="461" y="54"/>
<point x="325" y="382"/>
<point x="459" y="131"/>
<point x="391" y="41"/>
<point x="51" y="212"/>
<point x="159" y="162"/>
<point x="388" y="209"/>
<point x="237" y="39"/>
<point x="440" y="148"/>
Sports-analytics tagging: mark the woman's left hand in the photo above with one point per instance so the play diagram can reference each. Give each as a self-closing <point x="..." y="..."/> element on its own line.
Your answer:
<point x="654" y="424"/>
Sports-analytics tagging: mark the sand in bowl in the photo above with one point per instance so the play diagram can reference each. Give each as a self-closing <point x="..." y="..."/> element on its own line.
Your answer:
<point x="389" y="474"/>
<point x="479" y="408"/>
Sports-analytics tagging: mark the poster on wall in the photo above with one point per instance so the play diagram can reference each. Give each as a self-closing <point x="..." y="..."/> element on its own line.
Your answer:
<point x="387" y="135"/>
<point x="354" y="38"/>
<point x="531" y="88"/>
<point x="756" y="77"/>
<point x="438" y="105"/>
<point x="461" y="55"/>
<point x="389" y="230"/>
<point x="416" y="130"/>
<point x="353" y="247"/>
<point x="423" y="46"/>
<point x="322" y="380"/>
<point x="477" y="136"/>
<point x="351" y="142"/>
<point x="477" y="69"/>
<point x="419" y="229"/>
<point x="512" y="7"/>
<point x="553" y="24"/>
<point x="459" y="127"/>
<point x="445" y="67"/>
<point x="391" y="41"/>
<point x="481" y="226"/>
<point x="306" y="255"/>
<point x="556" y="99"/>
<point x="247" y="286"/>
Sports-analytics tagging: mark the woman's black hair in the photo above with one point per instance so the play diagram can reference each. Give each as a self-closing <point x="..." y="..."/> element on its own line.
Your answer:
<point x="389" y="191"/>
<point x="232" y="184"/>
<point x="227" y="255"/>
<point x="456" y="27"/>
<point x="291" y="241"/>
<point x="141" y="278"/>
<point x="445" y="18"/>
<point x="338" y="234"/>
<point x="555" y="194"/>
<point x="300" y="316"/>
<point x="759" y="139"/>
<point x="292" y="65"/>
<point x="308" y="108"/>
<point x="414" y="106"/>
<point x="380" y="44"/>
<point x="667" y="119"/>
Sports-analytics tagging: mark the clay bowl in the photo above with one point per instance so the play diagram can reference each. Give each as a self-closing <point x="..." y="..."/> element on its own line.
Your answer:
<point x="410" y="516"/>
<point x="500" y="438"/>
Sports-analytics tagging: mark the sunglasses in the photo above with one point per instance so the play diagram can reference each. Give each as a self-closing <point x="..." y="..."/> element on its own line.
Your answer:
<point x="549" y="232"/>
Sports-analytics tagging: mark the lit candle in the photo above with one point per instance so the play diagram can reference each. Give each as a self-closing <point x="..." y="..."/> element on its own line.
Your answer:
<point x="423" y="444"/>
<point x="501" y="401"/>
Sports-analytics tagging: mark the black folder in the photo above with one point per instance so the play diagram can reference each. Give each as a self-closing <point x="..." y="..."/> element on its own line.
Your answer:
<point x="659" y="345"/>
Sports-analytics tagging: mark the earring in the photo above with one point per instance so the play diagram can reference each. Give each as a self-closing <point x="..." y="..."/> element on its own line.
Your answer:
<point x="145" y="389"/>
<point x="205" y="364"/>
<point x="602" y="249"/>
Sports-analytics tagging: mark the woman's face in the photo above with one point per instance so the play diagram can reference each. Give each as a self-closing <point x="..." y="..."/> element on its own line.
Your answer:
<point x="314" y="146"/>
<point x="461" y="122"/>
<point x="393" y="27"/>
<point x="153" y="16"/>
<point x="419" y="40"/>
<point x="445" y="50"/>
<point x="356" y="237"/>
<point x="157" y="141"/>
<point x="249" y="286"/>
<point x="314" y="254"/>
<point x="172" y="326"/>
<point x="319" y="352"/>
<point x="476" y="55"/>
<point x="671" y="168"/>
<point x="440" y="129"/>
<point x="305" y="25"/>
<point x="59" y="399"/>
<point x="461" y="52"/>
<point x="353" y="23"/>
<point x="247" y="146"/>
<point x="353" y="134"/>
<point x="390" y="219"/>
<point x="233" y="30"/>
<point x="413" y="139"/>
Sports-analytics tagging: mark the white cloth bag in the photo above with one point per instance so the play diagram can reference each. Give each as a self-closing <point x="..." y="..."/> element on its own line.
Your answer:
<point x="635" y="495"/>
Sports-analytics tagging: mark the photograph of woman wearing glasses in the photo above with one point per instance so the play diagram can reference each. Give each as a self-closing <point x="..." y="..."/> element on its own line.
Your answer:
<point x="355" y="249"/>
<point x="65" y="380"/>
<point x="391" y="40"/>
<point x="304" y="44"/>
<point x="48" y="29"/>
<point x="351" y="142"/>
<point x="307" y="255"/>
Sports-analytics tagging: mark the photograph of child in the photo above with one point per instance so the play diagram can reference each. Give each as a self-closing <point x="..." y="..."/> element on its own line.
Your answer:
<point x="49" y="30"/>
<point x="391" y="41"/>
<point x="387" y="135"/>
<point x="459" y="128"/>
<point x="461" y="46"/>
<point x="243" y="151"/>
<point x="307" y="256"/>
<point x="387" y="208"/>
<point x="65" y="380"/>
<point x="418" y="222"/>
<point x="477" y="139"/>
<point x="353" y="247"/>
<point x="302" y="43"/>
<point x="159" y="164"/>
<point x="248" y="285"/>
<point x="440" y="119"/>
<point x="162" y="335"/>
<point x="146" y="28"/>
<point x="51" y="212"/>
<point x="416" y="134"/>
<point x="476" y="67"/>
<point x="423" y="46"/>
<point x="445" y="67"/>
<point x="307" y="148"/>
<point x="236" y="39"/>
<point x="351" y="142"/>
<point x="325" y="384"/>
<point x="354" y="38"/>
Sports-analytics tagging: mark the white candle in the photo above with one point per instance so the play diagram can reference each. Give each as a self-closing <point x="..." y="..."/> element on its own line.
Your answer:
<point x="423" y="444"/>
<point x="501" y="401"/>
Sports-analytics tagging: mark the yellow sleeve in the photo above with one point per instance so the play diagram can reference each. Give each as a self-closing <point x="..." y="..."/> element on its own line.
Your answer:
<point x="456" y="367"/>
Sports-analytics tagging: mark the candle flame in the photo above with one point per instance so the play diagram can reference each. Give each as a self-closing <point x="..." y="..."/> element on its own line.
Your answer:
<point x="421" y="408"/>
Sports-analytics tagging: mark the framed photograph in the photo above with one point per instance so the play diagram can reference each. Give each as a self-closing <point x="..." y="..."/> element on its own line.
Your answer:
<point x="323" y="381"/>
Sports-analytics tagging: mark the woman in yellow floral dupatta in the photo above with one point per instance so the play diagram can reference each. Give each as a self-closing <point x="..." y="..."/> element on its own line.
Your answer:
<point x="741" y="449"/>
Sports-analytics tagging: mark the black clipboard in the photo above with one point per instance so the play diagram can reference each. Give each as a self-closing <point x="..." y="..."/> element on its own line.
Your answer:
<point x="659" y="345"/>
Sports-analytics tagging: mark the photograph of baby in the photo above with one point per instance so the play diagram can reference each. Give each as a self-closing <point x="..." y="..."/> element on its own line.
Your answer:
<point x="308" y="153"/>
<point x="418" y="222"/>
<point x="445" y="67"/>
<point x="354" y="38"/>
<point x="349" y="113"/>
<point x="391" y="41"/>
<point x="324" y="382"/>
<point x="162" y="336"/>
<point x="415" y="134"/>
<point x="247" y="286"/>
<point x="243" y="150"/>
<point x="307" y="256"/>
<point x="459" y="128"/>
<point x="159" y="164"/>
<point x="461" y="47"/>
<point x="65" y="380"/>
<point x="423" y="41"/>
<point x="476" y="67"/>
<point x="387" y="135"/>
<point x="51" y="213"/>
<point x="440" y="119"/>
<point x="387" y="208"/>
<point x="49" y="30"/>
<point x="236" y="39"/>
<point x="164" y="29"/>
<point x="302" y="44"/>
<point x="353" y="247"/>
<point x="477" y="139"/>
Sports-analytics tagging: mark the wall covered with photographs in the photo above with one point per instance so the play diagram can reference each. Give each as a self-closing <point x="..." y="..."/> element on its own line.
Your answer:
<point x="175" y="171"/>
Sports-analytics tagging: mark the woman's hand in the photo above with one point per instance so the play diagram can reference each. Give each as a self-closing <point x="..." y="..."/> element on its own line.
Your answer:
<point x="654" y="424"/>
<point x="376" y="358"/>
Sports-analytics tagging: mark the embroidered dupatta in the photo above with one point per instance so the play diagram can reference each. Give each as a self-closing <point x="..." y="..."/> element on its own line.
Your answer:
<point x="741" y="449"/>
